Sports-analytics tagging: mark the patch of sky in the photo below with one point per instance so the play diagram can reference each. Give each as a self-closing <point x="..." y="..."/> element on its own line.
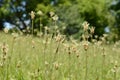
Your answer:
<point x="8" y="25"/>
<point x="107" y="29"/>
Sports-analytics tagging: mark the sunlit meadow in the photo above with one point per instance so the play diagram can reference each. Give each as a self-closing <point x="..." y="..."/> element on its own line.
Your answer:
<point x="48" y="57"/>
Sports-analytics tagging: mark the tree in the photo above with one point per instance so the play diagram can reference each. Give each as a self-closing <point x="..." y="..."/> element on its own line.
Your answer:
<point x="16" y="12"/>
<point x="95" y="12"/>
<point x="115" y="11"/>
<point x="71" y="14"/>
<point x="4" y="11"/>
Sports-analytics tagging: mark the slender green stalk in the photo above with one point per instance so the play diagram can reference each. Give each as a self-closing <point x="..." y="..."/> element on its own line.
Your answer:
<point x="103" y="64"/>
<point x="12" y="46"/>
<point x="10" y="58"/>
<point x="32" y="27"/>
<point x="40" y="25"/>
<point x="115" y="75"/>
<point x="115" y="70"/>
<point x="86" y="67"/>
<point x="44" y="55"/>
<point x="44" y="50"/>
<point x="19" y="43"/>
<point x="103" y="61"/>
<point x="69" y="57"/>
<point x="54" y="58"/>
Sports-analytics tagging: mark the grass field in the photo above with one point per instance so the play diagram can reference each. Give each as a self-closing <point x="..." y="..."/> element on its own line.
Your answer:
<point x="46" y="58"/>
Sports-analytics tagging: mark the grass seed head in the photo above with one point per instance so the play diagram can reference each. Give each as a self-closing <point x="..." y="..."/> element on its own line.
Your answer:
<point x="85" y="26"/>
<point x="58" y="38"/>
<point x="105" y="35"/>
<point x="115" y="68"/>
<point x="33" y="44"/>
<point x="6" y="30"/>
<point x="4" y="48"/>
<point x="104" y="53"/>
<point x="92" y="29"/>
<point x="74" y="48"/>
<point x="69" y="50"/>
<point x="96" y="36"/>
<point x="56" y="65"/>
<point x="94" y="40"/>
<point x="46" y="63"/>
<point x="55" y="18"/>
<point x="4" y="57"/>
<point x="46" y="28"/>
<point x="116" y="64"/>
<point x="1" y="64"/>
<point x="52" y="14"/>
<point x="32" y="14"/>
<point x="85" y="46"/>
<point x="18" y="64"/>
<point x="15" y="35"/>
<point x="77" y="55"/>
<point x="40" y="13"/>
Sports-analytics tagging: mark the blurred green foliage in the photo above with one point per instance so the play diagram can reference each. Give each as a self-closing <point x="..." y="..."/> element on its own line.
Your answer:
<point x="115" y="28"/>
<point x="99" y="13"/>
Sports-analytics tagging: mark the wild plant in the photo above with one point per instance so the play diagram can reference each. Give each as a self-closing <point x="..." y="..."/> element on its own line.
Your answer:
<point x="40" y="13"/>
<point x="114" y="70"/>
<point x="85" y="45"/>
<point x="32" y="14"/>
<point x="59" y="39"/>
<point x="54" y="18"/>
<point x="4" y="60"/>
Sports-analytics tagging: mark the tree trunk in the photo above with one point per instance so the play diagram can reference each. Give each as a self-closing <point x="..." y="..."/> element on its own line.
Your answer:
<point x="1" y="24"/>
